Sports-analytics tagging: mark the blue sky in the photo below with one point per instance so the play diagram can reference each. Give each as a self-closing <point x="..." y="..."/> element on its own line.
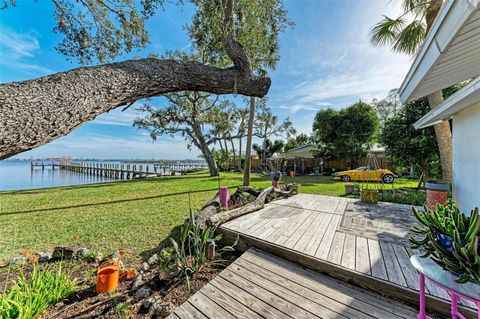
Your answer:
<point x="326" y="61"/>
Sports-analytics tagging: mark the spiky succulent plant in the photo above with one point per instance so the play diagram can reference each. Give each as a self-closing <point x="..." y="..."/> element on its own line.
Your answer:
<point x="464" y="258"/>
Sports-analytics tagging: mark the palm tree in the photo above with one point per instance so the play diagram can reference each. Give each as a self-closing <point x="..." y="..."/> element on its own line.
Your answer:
<point x="406" y="34"/>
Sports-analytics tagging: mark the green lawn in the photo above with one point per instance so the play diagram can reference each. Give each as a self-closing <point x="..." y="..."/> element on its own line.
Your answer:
<point x="134" y="215"/>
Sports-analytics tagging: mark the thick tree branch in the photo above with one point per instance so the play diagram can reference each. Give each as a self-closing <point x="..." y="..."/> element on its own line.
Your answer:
<point x="38" y="111"/>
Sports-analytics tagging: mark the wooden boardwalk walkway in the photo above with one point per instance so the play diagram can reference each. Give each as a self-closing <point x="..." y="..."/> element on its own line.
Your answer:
<point x="260" y="285"/>
<point x="356" y="242"/>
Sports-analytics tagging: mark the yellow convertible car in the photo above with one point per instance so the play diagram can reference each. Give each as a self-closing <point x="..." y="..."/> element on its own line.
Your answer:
<point x="367" y="174"/>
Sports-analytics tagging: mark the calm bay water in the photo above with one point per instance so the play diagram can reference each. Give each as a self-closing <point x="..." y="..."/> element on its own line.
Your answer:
<point x="15" y="174"/>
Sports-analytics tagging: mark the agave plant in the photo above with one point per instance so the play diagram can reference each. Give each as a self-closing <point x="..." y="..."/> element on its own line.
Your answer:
<point x="463" y="258"/>
<point x="189" y="253"/>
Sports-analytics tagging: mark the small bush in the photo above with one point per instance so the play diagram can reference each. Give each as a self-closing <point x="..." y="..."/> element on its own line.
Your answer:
<point x="33" y="293"/>
<point x="188" y="255"/>
<point x="403" y="196"/>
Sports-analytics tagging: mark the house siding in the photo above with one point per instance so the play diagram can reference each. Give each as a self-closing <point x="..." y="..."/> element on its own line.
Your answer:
<point x="466" y="158"/>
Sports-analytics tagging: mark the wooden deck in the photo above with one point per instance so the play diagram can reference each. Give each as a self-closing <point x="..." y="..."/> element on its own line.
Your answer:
<point x="356" y="242"/>
<point x="260" y="285"/>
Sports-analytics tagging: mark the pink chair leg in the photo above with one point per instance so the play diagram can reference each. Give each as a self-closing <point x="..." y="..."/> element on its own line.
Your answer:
<point x="454" y="308"/>
<point x="422" y="314"/>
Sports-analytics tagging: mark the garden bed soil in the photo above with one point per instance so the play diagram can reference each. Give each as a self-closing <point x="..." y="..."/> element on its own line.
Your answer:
<point x="123" y="303"/>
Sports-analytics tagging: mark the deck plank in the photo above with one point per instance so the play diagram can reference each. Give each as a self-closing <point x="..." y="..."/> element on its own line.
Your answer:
<point x="362" y="260"/>
<point x="297" y="217"/>
<point x="355" y="297"/>
<point x="324" y="247"/>
<point x="318" y="295"/>
<point x="232" y="305"/>
<point x="296" y="223"/>
<point x="266" y="295"/>
<point x="336" y="251"/>
<point x="247" y="299"/>
<point x="376" y="260"/>
<point x="312" y="229"/>
<point x="208" y="307"/>
<point x="317" y="236"/>
<point x="187" y="311"/>
<point x="409" y="272"/>
<point x="394" y="271"/>
<point x="348" y="256"/>
<point x="290" y="242"/>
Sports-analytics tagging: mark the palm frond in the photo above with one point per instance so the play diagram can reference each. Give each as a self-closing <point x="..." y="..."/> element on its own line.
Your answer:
<point x="410" y="38"/>
<point x="417" y="7"/>
<point x="386" y="31"/>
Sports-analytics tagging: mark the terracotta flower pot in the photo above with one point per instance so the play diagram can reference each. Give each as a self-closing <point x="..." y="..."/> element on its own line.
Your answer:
<point x="107" y="279"/>
<point x="437" y="193"/>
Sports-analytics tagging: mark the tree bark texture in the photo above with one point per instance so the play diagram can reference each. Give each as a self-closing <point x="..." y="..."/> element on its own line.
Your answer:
<point x="257" y="204"/>
<point x="37" y="111"/>
<point x="444" y="138"/>
<point x="248" y="151"/>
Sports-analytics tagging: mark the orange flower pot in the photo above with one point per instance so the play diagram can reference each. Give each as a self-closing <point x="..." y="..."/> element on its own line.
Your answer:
<point x="107" y="279"/>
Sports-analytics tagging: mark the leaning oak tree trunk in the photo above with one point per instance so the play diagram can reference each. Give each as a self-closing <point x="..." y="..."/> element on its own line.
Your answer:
<point x="211" y="214"/>
<point x="35" y="112"/>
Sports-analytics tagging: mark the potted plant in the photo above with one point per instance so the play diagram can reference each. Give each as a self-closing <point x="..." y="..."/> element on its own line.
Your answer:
<point x="450" y="238"/>
<point x="437" y="192"/>
<point x="292" y="184"/>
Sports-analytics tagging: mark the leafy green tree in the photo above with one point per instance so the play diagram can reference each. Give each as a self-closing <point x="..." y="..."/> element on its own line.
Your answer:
<point x="297" y="141"/>
<point x="408" y="146"/>
<point x="406" y="33"/>
<point x="268" y="125"/>
<point x="257" y="25"/>
<point x="269" y="148"/>
<point x="348" y="133"/>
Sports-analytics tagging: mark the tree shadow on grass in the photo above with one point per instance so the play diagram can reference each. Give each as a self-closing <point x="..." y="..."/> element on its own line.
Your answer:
<point x="104" y="184"/>
<point x="106" y="203"/>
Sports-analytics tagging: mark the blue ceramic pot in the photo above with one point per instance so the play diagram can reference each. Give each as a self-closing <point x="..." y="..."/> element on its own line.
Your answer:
<point x="445" y="241"/>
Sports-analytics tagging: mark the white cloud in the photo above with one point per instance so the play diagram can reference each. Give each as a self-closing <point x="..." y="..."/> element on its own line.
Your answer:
<point x="117" y="117"/>
<point x="19" y="44"/>
<point x="339" y="66"/>
<point x="17" y="49"/>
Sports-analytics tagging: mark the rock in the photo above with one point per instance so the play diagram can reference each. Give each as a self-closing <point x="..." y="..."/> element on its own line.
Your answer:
<point x="147" y="303"/>
<point x="81" y="252"/>
<point x="153" y="259"/>
<point x="137" y="282"/>
<point x="145" y="266"/>
<point x="161" y="309"/>
<point x="62" y="252"/>
<point x="43" y="257"/>
<point x="143" y="292"/>
<point x="18" y="261"/>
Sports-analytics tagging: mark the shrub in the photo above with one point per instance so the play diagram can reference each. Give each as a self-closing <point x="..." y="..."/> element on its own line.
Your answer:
<point x="33" y="293"/>
<point x="403" y="196"/>
<point x="189" y="254"/>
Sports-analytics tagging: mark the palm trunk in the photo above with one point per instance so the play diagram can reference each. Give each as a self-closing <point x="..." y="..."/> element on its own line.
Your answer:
<point x="240" y="154"/>
<point x="234" y="155"/>
<point x="248" y="153"/>
<point x="444" y="138"/>
<point x="442" y="130"/>
<point x="227" y="156"/>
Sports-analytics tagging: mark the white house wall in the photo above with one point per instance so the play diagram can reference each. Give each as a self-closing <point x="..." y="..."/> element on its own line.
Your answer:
<point x="466" y="158"/>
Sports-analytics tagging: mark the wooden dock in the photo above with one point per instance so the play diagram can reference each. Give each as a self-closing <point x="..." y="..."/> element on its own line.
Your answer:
<point x="124" y="171"/>
<point x="359" y="243"/>
<point x="260" y="285"/>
